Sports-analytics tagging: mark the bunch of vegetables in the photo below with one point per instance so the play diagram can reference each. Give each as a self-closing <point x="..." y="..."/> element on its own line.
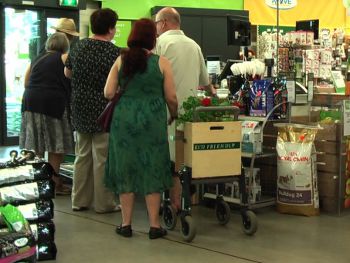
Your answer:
<point x="188" y="107"/>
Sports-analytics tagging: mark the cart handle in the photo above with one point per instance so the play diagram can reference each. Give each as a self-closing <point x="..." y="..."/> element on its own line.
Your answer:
<point x="234" y="109"/>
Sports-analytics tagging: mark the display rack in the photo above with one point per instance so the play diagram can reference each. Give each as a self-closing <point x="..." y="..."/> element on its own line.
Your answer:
<point x="67" y="167"/>
<point x="66" y="170"/>
<point x="332" y="156"/>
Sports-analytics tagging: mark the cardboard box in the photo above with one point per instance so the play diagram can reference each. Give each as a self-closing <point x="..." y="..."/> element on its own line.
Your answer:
<point x="328" y="184"/>
<point x="318" y="89"/>
<point x="213" y="149"/>
<point x="329" y="132"/>
<point x="329" y="205"/>
<point x="331" y="163"/>
<point x="328" y="147"/>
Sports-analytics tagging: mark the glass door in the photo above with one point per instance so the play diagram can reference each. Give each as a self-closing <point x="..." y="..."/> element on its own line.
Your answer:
<point x="22" y="43"/>
<point x="24" y="34"/>
<point x="51" y="18"/>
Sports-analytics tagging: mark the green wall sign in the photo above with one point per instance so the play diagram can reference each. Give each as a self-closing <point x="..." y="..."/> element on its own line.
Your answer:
<point x="72" y="3"/>
<point x="137" y="9"/>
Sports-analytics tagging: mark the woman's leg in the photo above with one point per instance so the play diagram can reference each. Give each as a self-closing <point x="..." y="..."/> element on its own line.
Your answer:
<point x="127" y="202"/>
<point x="55" y="159"/>
<point x="153" y="205"/>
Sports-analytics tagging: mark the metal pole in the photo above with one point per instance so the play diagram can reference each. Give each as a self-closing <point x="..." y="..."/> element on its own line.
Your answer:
<point x="278" y="33"/>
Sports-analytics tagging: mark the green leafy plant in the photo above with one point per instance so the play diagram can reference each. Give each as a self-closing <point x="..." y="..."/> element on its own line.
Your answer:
<point x="188" y="107"/>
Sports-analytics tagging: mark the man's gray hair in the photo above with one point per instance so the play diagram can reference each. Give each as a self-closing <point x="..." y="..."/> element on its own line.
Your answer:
<point x="57" y="42"/>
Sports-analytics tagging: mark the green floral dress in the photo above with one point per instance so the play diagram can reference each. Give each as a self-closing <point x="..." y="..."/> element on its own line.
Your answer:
<point x="138" y="156"/>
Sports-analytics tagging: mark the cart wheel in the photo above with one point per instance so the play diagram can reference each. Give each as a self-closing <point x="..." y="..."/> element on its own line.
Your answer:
<point x="249" y="223"/>
<point x="188" y="229"/>
<point x="223" y="212"/>
<point x="169" y="217"/>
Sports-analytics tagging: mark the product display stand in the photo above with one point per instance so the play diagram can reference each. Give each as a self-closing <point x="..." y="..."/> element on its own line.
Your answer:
<point x="30" y="188"/>
<point x="333" y="155"/>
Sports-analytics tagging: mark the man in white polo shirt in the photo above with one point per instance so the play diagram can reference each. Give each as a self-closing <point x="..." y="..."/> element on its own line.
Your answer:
<point x="190" y="72"/>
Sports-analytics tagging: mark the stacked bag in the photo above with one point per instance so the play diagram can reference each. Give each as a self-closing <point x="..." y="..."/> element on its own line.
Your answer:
<point x="29" y="189"/>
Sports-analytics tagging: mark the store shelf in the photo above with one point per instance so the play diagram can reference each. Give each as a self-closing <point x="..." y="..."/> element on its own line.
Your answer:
<point x="260" y="155"/>
<point x="66" y="170"/>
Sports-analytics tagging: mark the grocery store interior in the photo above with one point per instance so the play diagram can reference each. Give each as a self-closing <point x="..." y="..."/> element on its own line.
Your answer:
<point x="283" y="195"/>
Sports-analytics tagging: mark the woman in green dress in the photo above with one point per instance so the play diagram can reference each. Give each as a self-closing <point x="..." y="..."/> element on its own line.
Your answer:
<point x="138" y="158"/>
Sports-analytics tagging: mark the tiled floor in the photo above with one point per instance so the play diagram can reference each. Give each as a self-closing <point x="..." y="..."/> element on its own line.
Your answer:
<point x="89" y="237"/>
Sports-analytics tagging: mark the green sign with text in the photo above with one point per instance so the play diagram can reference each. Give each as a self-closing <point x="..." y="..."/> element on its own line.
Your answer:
<point x="122" y="33"/>
<point x="216" y="146"/>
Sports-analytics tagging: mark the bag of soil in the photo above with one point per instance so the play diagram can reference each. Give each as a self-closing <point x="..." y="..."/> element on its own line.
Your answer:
<point x="297" y="191"/>
<point x="14" y="219"/>
<point x="46" y="251"/>
<point x="42" y="232"/>
<point x="16" y="246"/>
<point x="24" y="193"/>
<point x="42" y="210"/>
<point x="27" y="173"/>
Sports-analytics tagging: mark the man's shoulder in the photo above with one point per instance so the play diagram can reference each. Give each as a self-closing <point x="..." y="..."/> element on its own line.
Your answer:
<point x="175" y="36"/>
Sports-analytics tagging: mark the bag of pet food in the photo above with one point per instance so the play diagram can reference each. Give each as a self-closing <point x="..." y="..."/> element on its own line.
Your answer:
<point x="297" y="191"/>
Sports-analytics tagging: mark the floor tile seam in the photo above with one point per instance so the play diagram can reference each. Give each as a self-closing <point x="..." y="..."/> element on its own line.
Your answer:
<point x="165" y="238"/>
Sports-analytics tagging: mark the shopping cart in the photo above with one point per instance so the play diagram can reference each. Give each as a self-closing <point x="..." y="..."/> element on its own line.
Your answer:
<point x="222" y="208"/>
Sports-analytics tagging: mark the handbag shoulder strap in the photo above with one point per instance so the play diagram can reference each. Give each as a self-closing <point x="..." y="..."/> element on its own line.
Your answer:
<point x="121" y="90"/>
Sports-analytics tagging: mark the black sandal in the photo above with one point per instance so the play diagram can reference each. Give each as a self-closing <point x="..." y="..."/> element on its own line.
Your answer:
<point x="124" y="231"/>
<point x="156" y="232"/>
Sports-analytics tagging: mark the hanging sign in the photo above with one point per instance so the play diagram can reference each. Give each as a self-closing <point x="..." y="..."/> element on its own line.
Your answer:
<point x="70" y="3"/>
<point x="283" y="4"/>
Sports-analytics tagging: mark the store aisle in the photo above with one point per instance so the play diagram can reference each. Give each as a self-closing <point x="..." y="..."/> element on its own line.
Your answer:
<point x="89" y="237"/>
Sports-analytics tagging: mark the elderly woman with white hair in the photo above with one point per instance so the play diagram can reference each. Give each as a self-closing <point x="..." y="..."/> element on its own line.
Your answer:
<point x="45" y="105"/>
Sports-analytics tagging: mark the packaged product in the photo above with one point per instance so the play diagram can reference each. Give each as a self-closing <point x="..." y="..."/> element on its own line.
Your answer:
<point x="251" y="137"/>
<point x="261" y="98"/>
<point x="297" y="191"/>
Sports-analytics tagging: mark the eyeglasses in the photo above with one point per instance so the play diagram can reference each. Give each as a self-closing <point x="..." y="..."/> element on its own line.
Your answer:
<point x="160" y="20"/>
